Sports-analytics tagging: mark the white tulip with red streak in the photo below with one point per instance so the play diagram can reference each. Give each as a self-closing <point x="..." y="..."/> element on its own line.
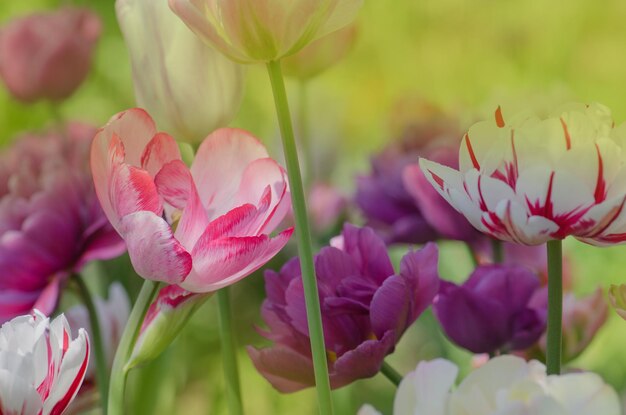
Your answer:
<point x="41" y="367"/>
<point x="529" y="180"/>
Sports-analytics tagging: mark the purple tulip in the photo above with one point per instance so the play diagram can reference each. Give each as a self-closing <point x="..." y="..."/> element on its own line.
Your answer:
<point x="398" y="201"/>
<point x="51" y="222"/>
<point x="492" y="310"/>
<point x="366" y="307"/>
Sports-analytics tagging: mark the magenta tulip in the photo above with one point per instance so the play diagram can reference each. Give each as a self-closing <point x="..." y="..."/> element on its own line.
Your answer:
<point x="366" y="307"/>
<point x="51" y="223"/>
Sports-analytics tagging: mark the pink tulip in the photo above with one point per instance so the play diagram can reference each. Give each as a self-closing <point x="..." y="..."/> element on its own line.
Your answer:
<point x="202" y="228"/>
<point x="48" y="55"/>
<point x="51" y="223"/>
<point x="41" y="367"/>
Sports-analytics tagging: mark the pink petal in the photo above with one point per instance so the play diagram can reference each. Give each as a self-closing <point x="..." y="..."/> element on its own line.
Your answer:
<point x="222" y="262"/>
<point x="259" y="175"/>
<point x="225" y="154"/>
<point x="135" y="128"/>
<point x="175" y="184"/>
<point x="287" y="370"/>
<point x="160" y="150"/>
<point x="133" y="190"/>
<point x="154" y="252"/>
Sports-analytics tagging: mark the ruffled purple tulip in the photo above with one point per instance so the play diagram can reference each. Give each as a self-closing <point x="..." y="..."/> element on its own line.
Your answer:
<point x="398" y="201"/>
<point x="366" y="307"/>
<point x="492" y="311"/>
<point x="51" y="222"/>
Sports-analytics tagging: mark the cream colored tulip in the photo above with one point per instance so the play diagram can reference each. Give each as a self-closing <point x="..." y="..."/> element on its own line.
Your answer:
<point x="250" y="31"/>
<point x="189" y="89"/>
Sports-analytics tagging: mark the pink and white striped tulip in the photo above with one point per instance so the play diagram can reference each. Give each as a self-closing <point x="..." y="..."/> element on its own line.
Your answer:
<point x="41" y="367"/>
<point x="253" y="31"/>
<point x="529" y="180"/>
<point x="202" y="228"/>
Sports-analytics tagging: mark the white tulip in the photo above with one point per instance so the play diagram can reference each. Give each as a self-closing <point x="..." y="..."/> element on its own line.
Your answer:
<point x="188" y="88"/>
<point x="41" y="367"/>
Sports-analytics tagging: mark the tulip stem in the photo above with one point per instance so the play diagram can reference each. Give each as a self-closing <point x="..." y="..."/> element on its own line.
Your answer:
<point x="555" y="306"/>
<point x="391" y="373"/>
<point x="229" y="353"/>
<point x="102" y="367"/>
<point x="119" y="375"/>
<point x="303" y="233"/>
<point x="497" y="249"/>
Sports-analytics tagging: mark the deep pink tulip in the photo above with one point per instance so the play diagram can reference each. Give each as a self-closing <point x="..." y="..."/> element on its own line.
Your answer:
<point x="51" y="223"/>
<point x="48" y="55"/>
<point x="203" y="227"/>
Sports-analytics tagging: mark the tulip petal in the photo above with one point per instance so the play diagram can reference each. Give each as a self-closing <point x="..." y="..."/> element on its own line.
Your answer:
<point x="154" y="252"/>
<point x="362" y="362"/>
<point x="175" y="184"/>
<point x="222" y="262"/>
<point x="426" y="390"/>
<point x="287" y="370"/>
<point x="161" y="150"/>
<point x="71" y="374"/>
<point x="225" y="150"/>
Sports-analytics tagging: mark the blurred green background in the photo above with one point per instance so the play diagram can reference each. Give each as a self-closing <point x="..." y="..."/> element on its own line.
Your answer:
<point x="464" y="56"/>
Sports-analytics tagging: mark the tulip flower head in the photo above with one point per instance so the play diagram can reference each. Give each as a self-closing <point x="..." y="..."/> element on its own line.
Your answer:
<point x="252" y="31"/>
<point x="529" y="180"/>
<point x="506" y="385"/>
<point x="366" y="307"/>
<point x="492" y="310"/>
<point x="41" y="366"/>
<point x="188" y="88"/>
<point x="397" y="200"/>
<point x="48" y="55"/>
<point x="203" y="227"/>
<point x="50" y="219"/>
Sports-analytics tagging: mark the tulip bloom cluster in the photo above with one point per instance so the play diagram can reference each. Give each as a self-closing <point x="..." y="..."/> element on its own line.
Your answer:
<point x="366" y="307"/>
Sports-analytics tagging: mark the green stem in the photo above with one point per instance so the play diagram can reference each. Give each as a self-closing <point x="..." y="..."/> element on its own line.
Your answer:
<point x="102" y="368"/>
<point x="117" y="386"/>
<point x="472" y="254"/>
<point x="391" y="373"/>
<point x="555" y="306"/>
<point x="303" y="233"/>
<point x="498" y="251"/>
<point x="303" y="115"/>
<point x="229" y="353"/>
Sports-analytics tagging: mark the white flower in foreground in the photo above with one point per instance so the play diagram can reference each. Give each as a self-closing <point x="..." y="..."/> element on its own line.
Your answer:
<point x="41" y="367"/>
<point x="506" y="385"/>
<point x="529" y="180"/>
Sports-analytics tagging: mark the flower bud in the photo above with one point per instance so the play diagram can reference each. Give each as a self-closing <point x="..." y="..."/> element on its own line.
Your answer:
<point x="165" y="318"/>
<point x="48" y="55"/>
<point x="189" y="89"/>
